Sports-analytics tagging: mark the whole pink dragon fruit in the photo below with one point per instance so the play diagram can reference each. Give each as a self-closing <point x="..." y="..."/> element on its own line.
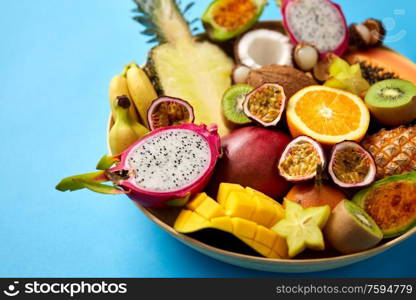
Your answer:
<point x="163" y="168"/>
<point x="318" y="22"/>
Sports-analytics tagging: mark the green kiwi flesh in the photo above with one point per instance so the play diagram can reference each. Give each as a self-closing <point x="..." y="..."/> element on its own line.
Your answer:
<point x="350" y="229"/>
<point x="232" y="103"/>
<point x="392" y="102"/>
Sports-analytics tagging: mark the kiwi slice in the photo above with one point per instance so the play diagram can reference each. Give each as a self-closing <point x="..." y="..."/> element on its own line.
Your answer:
<point x="232" y="103"/>
<point x="392" y="102"/>
<point x="350" y="229"/>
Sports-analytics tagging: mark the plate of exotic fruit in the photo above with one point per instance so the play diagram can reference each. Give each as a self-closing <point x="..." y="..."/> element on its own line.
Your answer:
<point x="284" y="145"/>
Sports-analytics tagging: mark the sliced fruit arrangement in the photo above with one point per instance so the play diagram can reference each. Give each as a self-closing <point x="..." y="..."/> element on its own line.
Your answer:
<point x="243" y="212"/>
<point x="163" y="168"/>
<point x="302" y="227"/>
<point x="351" y="165"/>
<point x="299" y="67"/>
<point x="125" y="131"/>
<point x="346" y="77"/>
<point x="319" y="22"/>
<point x="382" y="63"/>
<point x="391" y="203"/>
<point x="168" y="111"/>
<point x="265" y="104"/>
<point x="232" y="103"/>
<point x="392" y="102"/>
<point x="261" y="47"/>
<point x="182" y="67"/>
<point x="300" y="159"/>
<point x="350" y="229"/>
<point x="327" y="115"/>
<point x="225" y="19"/>
<point x="394" y="150"/>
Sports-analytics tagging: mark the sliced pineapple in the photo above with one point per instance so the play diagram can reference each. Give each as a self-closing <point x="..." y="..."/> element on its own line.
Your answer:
<point x="198" y="72"/>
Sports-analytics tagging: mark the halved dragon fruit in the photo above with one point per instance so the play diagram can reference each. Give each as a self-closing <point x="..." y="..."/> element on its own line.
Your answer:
<point x="163" y="168"/>
<point x="318" y="22"/>
<point x="351" y="165"/>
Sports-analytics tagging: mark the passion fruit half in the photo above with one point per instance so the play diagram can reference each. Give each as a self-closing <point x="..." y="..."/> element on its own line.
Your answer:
<point x="168" y="111"/>
<point x="265" y="104"/>
<point x="300" y="159"/>
<point x="225" y="19"/>
<point x="351" y="165"/>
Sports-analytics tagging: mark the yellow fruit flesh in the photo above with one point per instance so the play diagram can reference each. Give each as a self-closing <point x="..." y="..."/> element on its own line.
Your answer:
<point x="198" y="78"/>
<point x="141" y="90"/>
<point x="246" y="219"/>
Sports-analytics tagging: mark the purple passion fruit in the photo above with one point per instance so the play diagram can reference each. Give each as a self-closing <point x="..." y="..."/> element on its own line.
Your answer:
<point x="300" y="159"/>
<point x="266" y="104"/>
<point x="351" y="165"/>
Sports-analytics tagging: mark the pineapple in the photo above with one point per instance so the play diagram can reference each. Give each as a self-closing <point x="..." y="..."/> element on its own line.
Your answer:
<point x="394" y="150"/>
<point x="196" y="71"/>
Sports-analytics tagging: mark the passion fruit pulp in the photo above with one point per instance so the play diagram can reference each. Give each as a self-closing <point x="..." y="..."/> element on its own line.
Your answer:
<point x="300" y="159"/>
<point x="225" y="19"/>
<point x="265" y="104"/>
<point x="351" y="165"/>
<point x="168" y="111"/>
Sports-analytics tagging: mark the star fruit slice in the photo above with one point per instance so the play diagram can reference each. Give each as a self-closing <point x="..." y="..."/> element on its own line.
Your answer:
<point x="301" y="227"/>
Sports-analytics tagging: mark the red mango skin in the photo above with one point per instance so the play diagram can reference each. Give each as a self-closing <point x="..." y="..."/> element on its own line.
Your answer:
<point x="250" y="158"/>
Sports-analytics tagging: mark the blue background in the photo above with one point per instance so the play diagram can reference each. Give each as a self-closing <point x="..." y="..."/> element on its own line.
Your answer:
<point x="56" y="60"/>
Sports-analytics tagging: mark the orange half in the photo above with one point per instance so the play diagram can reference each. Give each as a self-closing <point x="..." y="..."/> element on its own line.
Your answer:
<point x="328" y="115"/>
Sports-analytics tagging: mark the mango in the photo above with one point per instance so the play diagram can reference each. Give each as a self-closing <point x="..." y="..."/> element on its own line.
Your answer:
<point x="245" y="213"/>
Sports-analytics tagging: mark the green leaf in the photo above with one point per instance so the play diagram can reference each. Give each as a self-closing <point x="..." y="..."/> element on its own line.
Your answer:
<point x="101" y="188"/>
<point x="106" y="162"/>
<point x="74" y="183"/>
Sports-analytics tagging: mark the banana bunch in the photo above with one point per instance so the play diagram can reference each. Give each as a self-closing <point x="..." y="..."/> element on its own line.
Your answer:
<point x="131" y="93"/>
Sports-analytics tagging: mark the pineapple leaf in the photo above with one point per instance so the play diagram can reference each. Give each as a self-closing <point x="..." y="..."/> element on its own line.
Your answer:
<point x="188" y="7"/>
<point x="163" y="19"/>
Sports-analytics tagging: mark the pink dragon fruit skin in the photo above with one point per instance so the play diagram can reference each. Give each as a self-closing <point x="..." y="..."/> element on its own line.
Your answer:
<point x="341" y="46"/>
<point x="163" y="199"/>
<point x="163" y="168"/>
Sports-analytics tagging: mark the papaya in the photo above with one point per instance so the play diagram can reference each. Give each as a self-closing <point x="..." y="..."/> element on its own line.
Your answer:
<point x="391" y="202"/>
<point x="381" y="63"/>
<point x="245" y="213"/>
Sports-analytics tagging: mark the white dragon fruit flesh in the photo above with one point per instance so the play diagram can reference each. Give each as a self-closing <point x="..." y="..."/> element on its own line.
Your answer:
<point x="163" y="168"/>
<point x="318" y="22"/>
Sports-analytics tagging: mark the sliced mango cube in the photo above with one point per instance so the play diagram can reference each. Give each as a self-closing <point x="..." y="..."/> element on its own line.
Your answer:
<point x="265" y="236"/>
<point x="222" y="223"/>
<point x="244" y="228"/>
<point x="196" y="201"/>
<point x="189" y="221"/>
<point x="225" y="189"/>
<point x="243" y="212"/>
<point x="239" y="204"/>
<point x="209" y="208"/>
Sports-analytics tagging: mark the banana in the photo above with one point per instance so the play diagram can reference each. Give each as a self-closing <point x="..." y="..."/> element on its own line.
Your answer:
<point x="125" y="130"/>
<point x="141" y="90"/>
<point x="118" y="87"/>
